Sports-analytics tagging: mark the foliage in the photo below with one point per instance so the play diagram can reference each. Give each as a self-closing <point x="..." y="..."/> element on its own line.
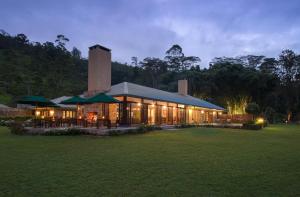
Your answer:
<point x="270" y="114"/>
<point x="252" y="126"/>
<point x="139" y="130"/>
<point x="5" y="98"/>
<point x="185" y="126"/>
<point x="17" y="128"/>
<point x="144" y="128"/>
<point x="70" y="131"/>
<point x="50" y="70"/>
<point x="253" y="108"/>
<point x="177" y="61"/>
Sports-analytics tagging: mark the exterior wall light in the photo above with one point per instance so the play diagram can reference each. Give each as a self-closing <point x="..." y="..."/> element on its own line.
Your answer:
<point x="260" y="120"/>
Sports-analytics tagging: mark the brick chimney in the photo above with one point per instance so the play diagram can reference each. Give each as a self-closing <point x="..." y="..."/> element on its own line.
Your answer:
<point x="183" y="87"/>
<point x="99" y="70"/>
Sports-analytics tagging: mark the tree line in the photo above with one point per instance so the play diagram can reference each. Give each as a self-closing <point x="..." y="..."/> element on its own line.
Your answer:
<point x="50" y="70"/>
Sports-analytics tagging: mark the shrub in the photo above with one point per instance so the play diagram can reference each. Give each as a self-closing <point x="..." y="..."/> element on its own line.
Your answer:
<point x="145" y="128"/>
<point x="252" y="126"/>
<point x="17" y="128"/>
<point x="141" y="129"/>
<point x="70" y="131"/>
<point x="18" y="118"/>
<point x="185" y="126"/>
<point x="2" y="123"/>
<point x="253" y="108"/>
<point x="114" y="132"/>
<point x="270" y="114"/>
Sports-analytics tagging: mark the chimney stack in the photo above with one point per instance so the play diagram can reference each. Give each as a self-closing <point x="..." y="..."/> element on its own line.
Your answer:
<point x="99" y="70"/>
<point x="183" y="87"/>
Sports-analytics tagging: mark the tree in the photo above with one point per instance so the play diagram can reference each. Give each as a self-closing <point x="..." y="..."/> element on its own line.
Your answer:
<point x="22" y="38"/>
<point x="61" y="41"/>
<point x="252" y="61"/>
<point x="226" y="60"/>
<point x="270" y="114"/>
<point x="190" y="61"/>
<point x="174" y="57"/>
<point x="289" y="64"/>
<point x="155" y="67"/>
<point x="134" y="61"/>
<point x="253" y="109"/>
<point x="177" y="61"/>
<point x="76" y="53"/>
<point x="268" y="65"/>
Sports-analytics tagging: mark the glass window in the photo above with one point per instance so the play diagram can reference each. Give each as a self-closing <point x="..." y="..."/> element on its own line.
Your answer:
<point x="151" y="114"/>
<point x="113" y="112"/>
<point x="164" y="114"/>
<point x="175" y="118"/>
<point x="135" y="113"/>
<point x="180" y="106"/>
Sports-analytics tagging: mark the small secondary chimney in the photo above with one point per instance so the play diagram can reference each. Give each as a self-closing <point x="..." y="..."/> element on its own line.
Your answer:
<point x="99" y="70"/>
<point x="183" y="87"/>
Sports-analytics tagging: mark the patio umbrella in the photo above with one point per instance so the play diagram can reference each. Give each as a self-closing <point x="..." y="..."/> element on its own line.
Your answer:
<point x="75" y="100"/>
<point x="102" y="98"/>
<point x="36" y="101"/>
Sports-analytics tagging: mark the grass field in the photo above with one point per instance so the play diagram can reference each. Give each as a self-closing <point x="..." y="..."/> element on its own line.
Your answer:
<point x="189" y="162"/>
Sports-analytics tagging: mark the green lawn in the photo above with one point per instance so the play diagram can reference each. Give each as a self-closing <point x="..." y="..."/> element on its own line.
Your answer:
<point x="189" y="162"/>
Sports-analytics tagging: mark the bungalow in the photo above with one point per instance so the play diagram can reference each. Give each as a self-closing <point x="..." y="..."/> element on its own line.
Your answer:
<point x="141" y="104"/>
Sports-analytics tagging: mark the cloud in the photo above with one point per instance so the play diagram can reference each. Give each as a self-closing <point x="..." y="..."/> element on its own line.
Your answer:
<point x="143" y="28"/>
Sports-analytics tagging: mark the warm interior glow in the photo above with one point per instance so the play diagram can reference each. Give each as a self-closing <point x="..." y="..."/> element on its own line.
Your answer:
<point x="180" y="106"/>
<point x="139" y="104"/>
<point x="164" y="107"/>
<point x="220" y="113"/>
<point x="37" y="113"/>
<point x="51" y="112"/>
<point x="214" y="113"/>
<point x="202" y="112"/>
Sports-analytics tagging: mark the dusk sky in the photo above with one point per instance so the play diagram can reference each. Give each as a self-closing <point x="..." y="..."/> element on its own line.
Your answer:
<point x="204" y="28"/>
